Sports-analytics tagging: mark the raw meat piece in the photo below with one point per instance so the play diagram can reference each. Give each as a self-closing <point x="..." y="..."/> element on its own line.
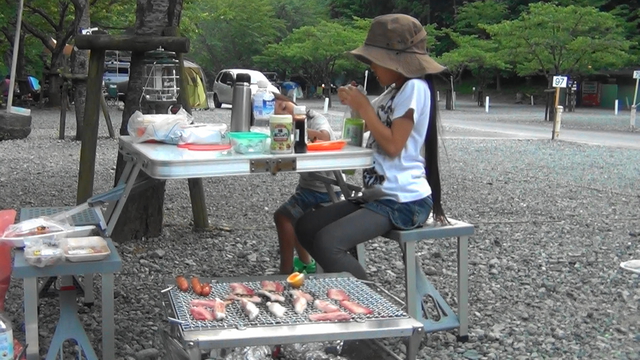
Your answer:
<point x="296" y="292"/>
<point x="253" y="298"/>
<point x="276" y="309"/>
<point x="337" y="294"/>
<point x="325" y="306"/>
<point x="299" y="304"/>
<point x="218" y="306"/>
<point x="355" y="308"/>
<point x="200" y="313"/>
<point x="333" y="316"/>
<point x="240" y="289"/>
<point x="272" y="286"/>
<point x="250" y="309"/>
<point x="271" y="296"/>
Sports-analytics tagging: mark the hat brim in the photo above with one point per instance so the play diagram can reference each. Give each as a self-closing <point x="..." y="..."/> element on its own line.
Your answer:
<point x="408" y="64"/>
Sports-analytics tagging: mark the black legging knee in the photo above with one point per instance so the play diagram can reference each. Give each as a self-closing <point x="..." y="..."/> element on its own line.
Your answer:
<point x="329" y="232"/>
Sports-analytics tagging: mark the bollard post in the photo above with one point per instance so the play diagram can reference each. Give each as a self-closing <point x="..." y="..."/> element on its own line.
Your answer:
<point x="615" y="107"/>
<point x="473" y="94"/>
<point x="556" y="123"/>
<point x="531" y="100"/>
<point x="486" y="104"/>
<point x="632" y="121"/>
<point x="453" y="101"/>
<point x="438" y="96"/>
<point x="326" y="105"/>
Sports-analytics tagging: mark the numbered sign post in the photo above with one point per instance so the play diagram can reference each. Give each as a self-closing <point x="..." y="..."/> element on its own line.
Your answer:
<point x="636" y="75"/>
<point x="632" y="119"/>
<point x="558" y="83"/>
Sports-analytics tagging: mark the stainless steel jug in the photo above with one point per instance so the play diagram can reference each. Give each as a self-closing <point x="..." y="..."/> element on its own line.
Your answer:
<point x="241" y="104"/>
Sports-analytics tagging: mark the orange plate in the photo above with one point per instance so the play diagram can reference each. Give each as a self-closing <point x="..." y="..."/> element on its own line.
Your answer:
<point x="205" y="147"/>
<point x="326" y="145"/>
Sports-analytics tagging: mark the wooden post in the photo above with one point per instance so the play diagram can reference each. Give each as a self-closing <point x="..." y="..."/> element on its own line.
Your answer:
<point x="91" y="122"/>
<point x="63" y="110"/>
<point x="107" y="117"/>
<point x="196" y="187"/>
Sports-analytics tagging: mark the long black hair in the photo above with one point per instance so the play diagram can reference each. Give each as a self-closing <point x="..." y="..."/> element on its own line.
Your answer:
<point x="431" y="144"/>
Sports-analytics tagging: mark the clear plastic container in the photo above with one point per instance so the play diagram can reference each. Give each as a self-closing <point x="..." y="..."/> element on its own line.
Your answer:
<point x="248" y="142"/>
<point x="90" y="248"/>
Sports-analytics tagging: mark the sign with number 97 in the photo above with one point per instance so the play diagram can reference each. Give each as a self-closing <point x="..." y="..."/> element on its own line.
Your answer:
<point x="559" y="81"/>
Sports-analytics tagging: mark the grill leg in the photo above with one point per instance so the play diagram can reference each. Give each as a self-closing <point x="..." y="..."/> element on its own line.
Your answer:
<point x="194" y="351"/>
<point x="414" y="343"/>
<point x="463" y="288"/>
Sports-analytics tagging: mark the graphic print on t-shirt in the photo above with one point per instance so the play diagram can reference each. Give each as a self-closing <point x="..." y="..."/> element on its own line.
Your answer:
<point x="370" y="177"/>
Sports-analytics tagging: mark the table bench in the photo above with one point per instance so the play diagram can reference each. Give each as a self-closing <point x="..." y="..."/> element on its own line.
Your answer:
<point x="417" y="286"/>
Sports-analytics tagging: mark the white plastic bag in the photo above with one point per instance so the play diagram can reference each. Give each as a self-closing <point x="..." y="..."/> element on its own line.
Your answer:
<point x="164" y="128"/>
<point x="204" y="134"/>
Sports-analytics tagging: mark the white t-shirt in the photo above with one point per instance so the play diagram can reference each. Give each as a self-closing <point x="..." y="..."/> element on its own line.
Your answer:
<point x="401" y="178"/>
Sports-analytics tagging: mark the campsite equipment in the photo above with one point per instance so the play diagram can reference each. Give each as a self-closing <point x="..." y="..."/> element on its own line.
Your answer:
<point x="241" y="104"/>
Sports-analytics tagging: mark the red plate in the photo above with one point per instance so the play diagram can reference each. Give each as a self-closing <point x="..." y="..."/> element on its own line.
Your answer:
<point x="205" y="147"/>
<point x="320" y="145"/>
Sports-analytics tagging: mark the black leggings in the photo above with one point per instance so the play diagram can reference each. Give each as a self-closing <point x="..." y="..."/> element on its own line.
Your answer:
<point x="329" y="232"/>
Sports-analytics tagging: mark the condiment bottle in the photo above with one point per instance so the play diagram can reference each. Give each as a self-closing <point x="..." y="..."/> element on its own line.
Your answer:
<point x="300" y="129"/>
<point x="6" y="338"/>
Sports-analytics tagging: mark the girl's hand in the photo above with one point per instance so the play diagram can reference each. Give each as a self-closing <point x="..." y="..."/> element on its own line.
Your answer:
<point x="352" y="97"/>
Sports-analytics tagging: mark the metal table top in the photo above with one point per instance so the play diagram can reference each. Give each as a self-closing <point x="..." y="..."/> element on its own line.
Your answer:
<point x="111" y="264"/>
<point x="164" y="161"/>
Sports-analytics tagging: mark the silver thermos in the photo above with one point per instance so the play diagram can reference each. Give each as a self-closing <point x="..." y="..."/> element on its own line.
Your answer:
<point x="241" y="104"/>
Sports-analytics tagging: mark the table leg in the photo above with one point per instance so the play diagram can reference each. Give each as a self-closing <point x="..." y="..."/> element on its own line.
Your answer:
<point x="114" y="210"/>
<point x="108" y="325"/>
<point x="30" y="287"/>
<point x="69" y="325"/>
<point x="414" y="304"/>
<point x="463" y="287"/>
<point x="87" y="281"/>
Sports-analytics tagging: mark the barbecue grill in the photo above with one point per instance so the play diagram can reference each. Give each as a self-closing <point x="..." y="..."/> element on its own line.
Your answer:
<point x="236" y="330"/>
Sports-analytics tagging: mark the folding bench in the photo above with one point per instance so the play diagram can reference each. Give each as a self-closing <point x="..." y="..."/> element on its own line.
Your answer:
<point x="418" y="287"/>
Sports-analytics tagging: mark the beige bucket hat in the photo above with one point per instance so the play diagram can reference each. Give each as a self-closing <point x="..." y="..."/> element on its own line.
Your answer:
<point x="398" y="42"/>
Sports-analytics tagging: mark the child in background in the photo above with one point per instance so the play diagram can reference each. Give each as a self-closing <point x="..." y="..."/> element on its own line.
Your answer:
<point x="309" y="194"/>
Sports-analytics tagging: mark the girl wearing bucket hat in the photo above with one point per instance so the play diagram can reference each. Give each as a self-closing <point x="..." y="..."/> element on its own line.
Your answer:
<point x="402" y="188"/>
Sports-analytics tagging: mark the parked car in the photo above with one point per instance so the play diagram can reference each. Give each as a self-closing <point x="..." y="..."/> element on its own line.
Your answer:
<point x="226" y="79"/>
<point x="274" y="79"/>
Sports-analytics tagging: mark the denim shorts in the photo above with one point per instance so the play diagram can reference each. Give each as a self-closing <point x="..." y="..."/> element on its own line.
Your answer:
<point x="404" y="216"/>
<point x="302" y="201"/>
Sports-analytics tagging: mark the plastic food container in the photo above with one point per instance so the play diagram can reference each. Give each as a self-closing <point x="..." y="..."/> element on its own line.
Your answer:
<point x="90" y="248"/>
<point x="248" y="142"/>
<point x="57" y="232"/>
<point x="43" y="255"/>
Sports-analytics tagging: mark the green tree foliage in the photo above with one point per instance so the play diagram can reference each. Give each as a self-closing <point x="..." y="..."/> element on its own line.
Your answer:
<point x="549" y="39"/>
<point x="316" y="52"/>
<point x="481" y="57"/>
<point x="228" y="33"/>
<point x="473" y="14"/>
<point x="298" y="13"/>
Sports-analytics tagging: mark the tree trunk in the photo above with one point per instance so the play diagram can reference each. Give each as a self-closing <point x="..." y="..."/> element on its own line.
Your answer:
<point x="80" y="65"/>
<point x="55" y="81"/>
<point x="143" y="212"/>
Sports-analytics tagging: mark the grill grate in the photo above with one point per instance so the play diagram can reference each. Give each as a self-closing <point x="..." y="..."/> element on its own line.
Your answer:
<point x="235" y="317"/>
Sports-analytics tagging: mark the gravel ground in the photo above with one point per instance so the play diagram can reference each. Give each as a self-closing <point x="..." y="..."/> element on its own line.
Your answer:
<point x="553" y="222"/>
